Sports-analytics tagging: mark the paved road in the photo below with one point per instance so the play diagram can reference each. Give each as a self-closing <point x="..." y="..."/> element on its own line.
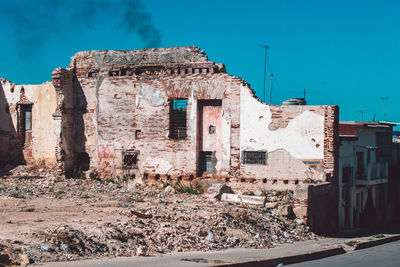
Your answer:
<point x="383" y="255"/>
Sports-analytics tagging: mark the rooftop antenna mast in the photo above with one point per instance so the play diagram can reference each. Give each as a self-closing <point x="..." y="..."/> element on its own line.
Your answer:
<point x="383" y="106"/>
<point x="362" y="114"/>
<point x="266" y="62"/>
<point x="265" y="69"/>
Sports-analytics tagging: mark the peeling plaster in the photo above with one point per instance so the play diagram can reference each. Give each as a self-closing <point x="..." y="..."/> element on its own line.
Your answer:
<point x="296" y="138"/>
<point x="159" y="165"/>
<point x="151" y="95"/>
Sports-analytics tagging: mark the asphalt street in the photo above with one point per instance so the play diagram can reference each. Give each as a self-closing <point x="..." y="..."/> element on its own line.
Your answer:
<point x="383" y="255"/>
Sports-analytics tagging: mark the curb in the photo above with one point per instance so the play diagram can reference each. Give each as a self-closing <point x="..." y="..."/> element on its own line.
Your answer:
<point x="290" y="259"/>
<point x="377" y="242"/>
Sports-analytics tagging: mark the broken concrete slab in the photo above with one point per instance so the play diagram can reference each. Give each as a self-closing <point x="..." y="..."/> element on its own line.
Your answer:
<point x="253" y="200"/>
<point x="216" y="191"/>
<point x="285" y="210"/>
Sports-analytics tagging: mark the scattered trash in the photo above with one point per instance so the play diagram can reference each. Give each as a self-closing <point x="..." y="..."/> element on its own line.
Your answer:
<point x="118" y="221"/>
<point x="141" y="215"/>
<point x="46" y="247"/>
<point x="141" y="251"/>
<point x="210" y="238"/>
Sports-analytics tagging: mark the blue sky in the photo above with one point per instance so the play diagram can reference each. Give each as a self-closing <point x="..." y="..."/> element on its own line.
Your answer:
<point x="342" y="52"/>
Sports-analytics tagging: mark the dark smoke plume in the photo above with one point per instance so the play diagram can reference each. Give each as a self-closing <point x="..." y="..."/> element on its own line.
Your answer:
<point x="35" y="22"/>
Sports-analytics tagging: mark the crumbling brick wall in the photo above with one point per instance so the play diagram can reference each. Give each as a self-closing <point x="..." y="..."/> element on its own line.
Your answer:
<point x="127" y="98"/>
<point x="121" y="100"/>
<point x="298" y="142"/>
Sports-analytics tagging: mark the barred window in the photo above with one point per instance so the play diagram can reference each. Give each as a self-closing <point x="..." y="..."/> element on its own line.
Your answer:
<point x="177" y="118"/>
<point x="255" y="157"/>
<point x="129" y="158"/>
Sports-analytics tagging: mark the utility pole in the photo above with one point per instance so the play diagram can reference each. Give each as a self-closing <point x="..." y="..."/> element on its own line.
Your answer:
<point x="383" y="105"/>
<point x="362" y="114"/>
<point x="265" y="69"/>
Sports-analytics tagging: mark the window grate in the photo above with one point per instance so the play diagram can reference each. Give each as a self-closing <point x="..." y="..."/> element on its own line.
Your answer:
<point x="255" y="157"/>
<point x="178" y="113"/>
<point x="129" y="159"/>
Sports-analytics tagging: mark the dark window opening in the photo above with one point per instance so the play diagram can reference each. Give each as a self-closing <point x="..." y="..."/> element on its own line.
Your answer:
<point x="360" y="165"/>
<point x="177" y="119"/>
<point x="243" y="180"/>
<point x="145" y="176"/>
<point x="384" y="144"/>
<point x="26" y="117"/>
<point x="180" y="178"/>
<point x="157" y="177"/>
<point x="24" y="122"/>
<point x="138" y="134"/>
<point x="211" y="129"/>
<point x="191" y="177"/>
<point x="254" y="157"/>
<point x="227" y="179"/>
<point x="347" y="176"/>
<point x="285" y="181"/>
<point x="129" y="158"/>
<point x="206" y="161"/>
<point x="296" y="182"/>
<point x="264" y="180"/>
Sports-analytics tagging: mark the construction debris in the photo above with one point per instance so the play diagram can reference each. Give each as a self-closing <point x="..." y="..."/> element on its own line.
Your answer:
<point x="75" y="219"/>
<point x="243" y="199"/>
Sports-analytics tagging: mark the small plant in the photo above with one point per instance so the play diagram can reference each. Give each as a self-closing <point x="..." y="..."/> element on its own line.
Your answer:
<point x="111" y="180"/>
<point x="379" y="236"/>
<point x="133" y="199"/>
<point x="351" y="243"/>
<point x="191" y="188"/>
<point x="17" y="195"/>
<point x="28" y="210"/>
<point x="85" y="196"/>
<point x="77" y="174"/>
<point x="59" y="193"/>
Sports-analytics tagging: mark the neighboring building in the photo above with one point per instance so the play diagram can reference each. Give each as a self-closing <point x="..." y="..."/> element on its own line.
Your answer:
<point x="365" y="155"/>
<point x="170" y="113"/>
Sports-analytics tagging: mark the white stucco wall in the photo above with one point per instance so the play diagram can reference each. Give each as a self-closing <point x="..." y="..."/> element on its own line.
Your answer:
<point x="299" y="138"/>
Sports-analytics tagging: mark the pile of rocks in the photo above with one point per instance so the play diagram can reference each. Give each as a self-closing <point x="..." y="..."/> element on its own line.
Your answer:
<point x="145" y="220"/>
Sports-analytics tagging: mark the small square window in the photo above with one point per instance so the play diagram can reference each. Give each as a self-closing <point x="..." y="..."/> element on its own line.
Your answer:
<point x="129" y="159"/>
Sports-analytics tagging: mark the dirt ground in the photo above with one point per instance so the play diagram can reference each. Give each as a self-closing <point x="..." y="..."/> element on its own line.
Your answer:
<point x="44" y="217"/>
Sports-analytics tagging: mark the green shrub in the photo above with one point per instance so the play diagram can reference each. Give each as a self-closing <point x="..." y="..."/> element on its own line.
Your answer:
<point x="191" y="188"/>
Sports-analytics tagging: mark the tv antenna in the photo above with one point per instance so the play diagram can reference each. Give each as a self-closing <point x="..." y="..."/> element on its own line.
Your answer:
<point x="362" y="114"/>
<point x="266" y="62"/>
<point x="383" y="106"/>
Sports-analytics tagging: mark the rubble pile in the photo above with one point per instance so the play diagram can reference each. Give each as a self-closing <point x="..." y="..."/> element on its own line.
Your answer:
<point x="57" y="219"/>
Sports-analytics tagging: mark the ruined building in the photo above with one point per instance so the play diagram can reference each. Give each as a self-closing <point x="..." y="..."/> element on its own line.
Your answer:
<point x="170" y="113"/>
